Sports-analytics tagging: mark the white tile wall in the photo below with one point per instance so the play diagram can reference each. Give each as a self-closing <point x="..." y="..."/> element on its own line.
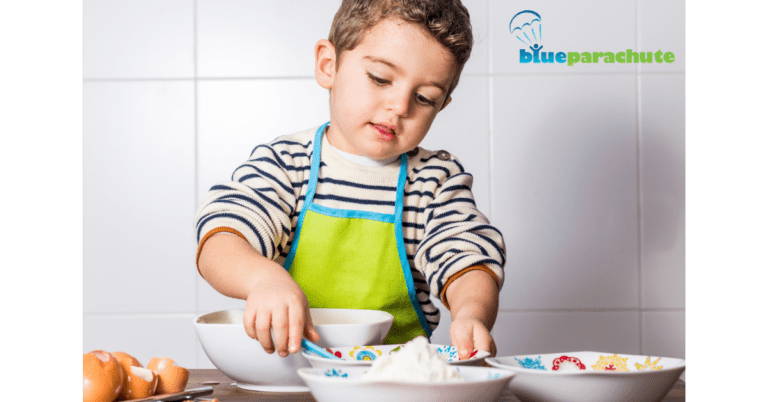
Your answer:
<point x="242" y="38"/>
<point x="138" y="39"/>
<point x="662" y="27"/>
<point x="581" y="168"/>
<point x="143" y="336"/>
<point x="565" y="189"/>
<point x="139" y="181"/>
<point x="662" y="139"/>
<point x="518" y="333"/>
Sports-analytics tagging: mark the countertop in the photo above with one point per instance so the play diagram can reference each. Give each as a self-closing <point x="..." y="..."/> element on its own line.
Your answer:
<point x="225" y="391"/>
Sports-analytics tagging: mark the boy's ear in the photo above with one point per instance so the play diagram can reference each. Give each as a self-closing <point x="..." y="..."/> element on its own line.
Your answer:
<point x="325" y="63"/>
<point x="447" y="101"/>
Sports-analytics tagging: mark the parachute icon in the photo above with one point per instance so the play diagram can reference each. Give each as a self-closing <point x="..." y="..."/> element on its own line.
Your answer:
<point x="526" y="26"/>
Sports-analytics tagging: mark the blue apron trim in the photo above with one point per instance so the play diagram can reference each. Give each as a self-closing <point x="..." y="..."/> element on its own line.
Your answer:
<point x="311" y="187"/>
<point x="401" y="246"/>
<point x="351" y="213"/>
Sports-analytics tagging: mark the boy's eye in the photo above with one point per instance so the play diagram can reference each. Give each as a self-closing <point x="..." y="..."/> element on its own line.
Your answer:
<point x="377" y="80"/>
<point x="424" y="100"/>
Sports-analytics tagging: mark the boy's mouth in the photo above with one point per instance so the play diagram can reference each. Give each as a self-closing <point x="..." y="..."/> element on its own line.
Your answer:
<point x="385" y="129"/>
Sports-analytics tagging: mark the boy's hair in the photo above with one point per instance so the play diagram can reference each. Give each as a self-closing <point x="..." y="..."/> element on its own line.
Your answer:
<point x="446" y="20"/>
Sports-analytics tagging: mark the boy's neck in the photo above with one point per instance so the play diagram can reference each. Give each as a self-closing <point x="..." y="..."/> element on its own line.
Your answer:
<point x="364" y="160"/>
<point x="359" y="159"/>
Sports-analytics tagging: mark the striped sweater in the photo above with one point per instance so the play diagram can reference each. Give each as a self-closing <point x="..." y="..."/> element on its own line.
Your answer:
<point x="443" y="231"/>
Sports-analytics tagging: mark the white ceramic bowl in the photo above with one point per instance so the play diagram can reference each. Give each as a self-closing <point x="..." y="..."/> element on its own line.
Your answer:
<point x="241" y="358"/>
<point x="343" y="384"/>
<point x="344" y="327"/>
<point x="365" y="355"/>
<point x="590" y="376"/>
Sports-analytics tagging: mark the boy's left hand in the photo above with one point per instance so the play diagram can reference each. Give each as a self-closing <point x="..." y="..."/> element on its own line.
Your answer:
<point x="468" y="334"/>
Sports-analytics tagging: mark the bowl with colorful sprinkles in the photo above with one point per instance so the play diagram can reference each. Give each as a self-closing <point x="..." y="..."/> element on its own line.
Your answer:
<point x="365" y="355"/>
<point x="590" y="376"/>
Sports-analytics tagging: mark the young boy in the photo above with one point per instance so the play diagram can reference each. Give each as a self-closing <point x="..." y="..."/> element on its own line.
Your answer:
<point x="353" y="214"/>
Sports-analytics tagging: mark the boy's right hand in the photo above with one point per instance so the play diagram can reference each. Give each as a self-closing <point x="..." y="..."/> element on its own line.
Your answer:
<point x="277" y="303"/>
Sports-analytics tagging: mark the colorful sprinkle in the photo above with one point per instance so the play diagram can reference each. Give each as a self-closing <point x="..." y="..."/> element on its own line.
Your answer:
<point x="531" y="363"/>
<point x="648" y="365"/>
<point x="611" y="363"/>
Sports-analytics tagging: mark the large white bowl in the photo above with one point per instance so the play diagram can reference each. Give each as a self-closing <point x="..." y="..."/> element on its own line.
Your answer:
<point x="243" y="359"/>
<point x="590" y="376"/>
<point x="344" y="327"/>
<point x="365" y="355"/>
<point x="344" y="384"/>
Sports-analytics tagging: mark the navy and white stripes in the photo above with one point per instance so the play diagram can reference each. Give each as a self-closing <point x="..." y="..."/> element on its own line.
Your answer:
<point x="443" y="231"/>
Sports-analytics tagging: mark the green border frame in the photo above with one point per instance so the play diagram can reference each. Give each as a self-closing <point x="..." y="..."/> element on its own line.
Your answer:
<point x="41" y="165"/>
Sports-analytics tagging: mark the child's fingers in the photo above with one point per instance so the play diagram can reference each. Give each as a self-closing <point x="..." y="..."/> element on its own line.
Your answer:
<point x="462" y="339"/>
<point x="309" y="328"/>
<point x="263" y="323"/>
<point x="295" y="327"/>
<point x="484" y="341"/>
<point x="249" y="322"/>
<point x="280" y="330"/>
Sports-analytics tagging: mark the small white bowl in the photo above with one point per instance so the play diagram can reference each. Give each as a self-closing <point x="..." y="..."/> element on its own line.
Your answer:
<point x="343" y="327"/>
<point x="590" y="376"/>
<point x="343" y="384"/>
<point x="353" y="356"/>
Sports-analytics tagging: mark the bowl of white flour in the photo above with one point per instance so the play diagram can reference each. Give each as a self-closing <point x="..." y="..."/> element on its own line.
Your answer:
<point x="415" y="372"/>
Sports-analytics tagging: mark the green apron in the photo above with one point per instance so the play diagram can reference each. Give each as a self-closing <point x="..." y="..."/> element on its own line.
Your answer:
<point x="356" y="259"/>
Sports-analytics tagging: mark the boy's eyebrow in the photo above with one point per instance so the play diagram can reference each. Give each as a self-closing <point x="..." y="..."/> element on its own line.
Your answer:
<point x="399" y="71"/>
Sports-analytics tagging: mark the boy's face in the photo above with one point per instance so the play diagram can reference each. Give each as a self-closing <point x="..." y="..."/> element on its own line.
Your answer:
<point x="387" y="91"/>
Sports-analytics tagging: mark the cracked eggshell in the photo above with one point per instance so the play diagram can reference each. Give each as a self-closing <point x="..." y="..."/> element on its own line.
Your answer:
<point x="142" y="383"/>
<point x="102" y="377"/>
<point x="172" y="378"/>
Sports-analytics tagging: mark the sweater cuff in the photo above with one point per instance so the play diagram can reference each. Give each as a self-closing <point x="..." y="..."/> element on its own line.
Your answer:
<point x="462" y="272"/>
<point x="208" y="236"/>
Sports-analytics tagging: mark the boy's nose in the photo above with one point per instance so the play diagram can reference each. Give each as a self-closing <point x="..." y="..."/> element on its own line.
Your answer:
<point x="400" y="103"/>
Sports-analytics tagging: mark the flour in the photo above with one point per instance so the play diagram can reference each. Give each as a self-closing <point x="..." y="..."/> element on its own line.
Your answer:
<point x="414" y="362"/>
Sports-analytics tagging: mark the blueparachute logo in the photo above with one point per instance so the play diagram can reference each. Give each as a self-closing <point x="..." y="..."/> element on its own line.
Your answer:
<point x="526" y="27"/>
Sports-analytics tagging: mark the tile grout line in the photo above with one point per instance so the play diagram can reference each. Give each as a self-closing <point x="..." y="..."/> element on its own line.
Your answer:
<point x="593" y="310"/>
<point x="196" y="291"/>
<point x="491" y="175"/>
<point x="286" y="78"/>
<point x="638" y="143"/>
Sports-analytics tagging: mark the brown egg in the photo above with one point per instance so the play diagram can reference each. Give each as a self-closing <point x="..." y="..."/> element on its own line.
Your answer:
<point x="172" y="378"/>
<point x="102" y="377"/>
<point x="126" y="361"/>
<point x="142" y="383"/>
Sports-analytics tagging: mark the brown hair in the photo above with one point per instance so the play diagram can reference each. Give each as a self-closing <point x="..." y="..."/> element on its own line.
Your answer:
<point x="446" y="20"/>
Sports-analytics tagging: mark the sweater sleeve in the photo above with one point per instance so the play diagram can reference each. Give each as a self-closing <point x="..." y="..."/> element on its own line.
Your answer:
<point x="257" y="204"/>
<point x="458" y="237"/>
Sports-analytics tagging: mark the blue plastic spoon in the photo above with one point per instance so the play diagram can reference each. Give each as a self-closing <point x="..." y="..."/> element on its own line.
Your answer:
<point x="317" y="350"/>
